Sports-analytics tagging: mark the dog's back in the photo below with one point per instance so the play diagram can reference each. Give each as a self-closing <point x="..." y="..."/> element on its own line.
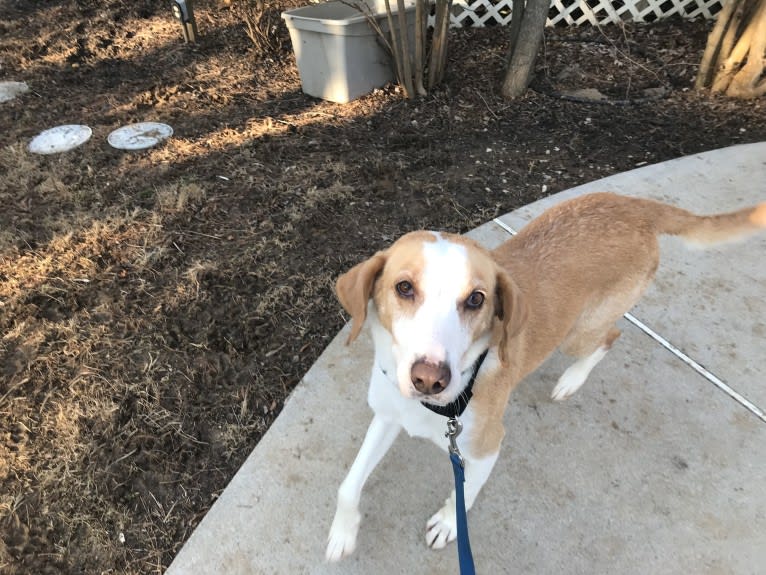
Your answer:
<point x="585" y="262"/>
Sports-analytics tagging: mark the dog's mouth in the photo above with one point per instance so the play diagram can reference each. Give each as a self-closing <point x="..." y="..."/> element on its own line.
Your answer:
<point x="453" y="395"/>
<point x="443" y="398"/>
<point x="432" y="400"/>
<point x="426" y="398"/>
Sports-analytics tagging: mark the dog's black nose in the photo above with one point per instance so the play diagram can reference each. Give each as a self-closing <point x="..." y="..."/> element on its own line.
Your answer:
<point x="430" y="378"/>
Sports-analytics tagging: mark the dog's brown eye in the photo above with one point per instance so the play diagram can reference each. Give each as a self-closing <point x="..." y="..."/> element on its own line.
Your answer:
<point x="475" y="300"/>
<point x="405" y="289"/>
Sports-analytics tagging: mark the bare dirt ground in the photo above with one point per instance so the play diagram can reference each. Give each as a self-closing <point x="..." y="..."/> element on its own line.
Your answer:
<point x="157" y="307"/>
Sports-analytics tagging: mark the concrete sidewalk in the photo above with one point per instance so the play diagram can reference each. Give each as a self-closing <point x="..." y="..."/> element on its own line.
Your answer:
<point x="649" y="469"/>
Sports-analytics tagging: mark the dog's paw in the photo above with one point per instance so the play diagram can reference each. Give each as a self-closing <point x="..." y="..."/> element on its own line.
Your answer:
<point x="576" y="374"/>
<point x="569" y="382"/>
<point x="442" y="527"/>
<point x="342" y="539"/>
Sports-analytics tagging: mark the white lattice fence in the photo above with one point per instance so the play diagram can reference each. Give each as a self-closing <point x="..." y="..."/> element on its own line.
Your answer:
<point x="481" y="13"/>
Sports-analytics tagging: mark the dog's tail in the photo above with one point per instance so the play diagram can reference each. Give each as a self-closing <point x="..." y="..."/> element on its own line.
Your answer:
<point x="703" y="231"/>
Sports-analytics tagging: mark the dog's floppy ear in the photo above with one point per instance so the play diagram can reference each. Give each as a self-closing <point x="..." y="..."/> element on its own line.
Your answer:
<point x="512" y="311"/>
<point x="354" y="289"/>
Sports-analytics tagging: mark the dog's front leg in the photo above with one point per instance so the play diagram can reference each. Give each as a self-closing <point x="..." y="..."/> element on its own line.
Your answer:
<point x="342" y="539"/>
<point x="442" y="527"/>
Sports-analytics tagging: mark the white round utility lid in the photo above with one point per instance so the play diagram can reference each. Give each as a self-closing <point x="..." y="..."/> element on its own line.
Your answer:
<point x="60" y="139"/>
<point x="139" y="136"/>
<point x="9" y="90"/>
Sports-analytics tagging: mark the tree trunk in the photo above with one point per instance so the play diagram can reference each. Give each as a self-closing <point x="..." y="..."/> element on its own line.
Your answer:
<point x="438" y="61"/>
<point x="405" y="52"/>
<point x="735" y="56"/>
<point x="421" y="32"/>
<point x="527" y="25"/>
<point x="405" y="81"/>
<point x="410" y="61"/>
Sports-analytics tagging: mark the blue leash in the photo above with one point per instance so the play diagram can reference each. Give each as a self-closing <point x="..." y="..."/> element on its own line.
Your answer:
<point x="452" y="411"/>
<point x="465" y="557"/>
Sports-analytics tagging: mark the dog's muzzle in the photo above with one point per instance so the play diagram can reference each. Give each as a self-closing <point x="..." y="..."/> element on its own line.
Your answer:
<point x="430" y="378"/>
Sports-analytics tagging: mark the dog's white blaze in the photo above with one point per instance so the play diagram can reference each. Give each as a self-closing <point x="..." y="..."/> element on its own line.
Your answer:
<point x="435" y="332"/>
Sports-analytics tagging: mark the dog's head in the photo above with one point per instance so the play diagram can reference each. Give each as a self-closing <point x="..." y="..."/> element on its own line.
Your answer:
<point x="444" y="301"/>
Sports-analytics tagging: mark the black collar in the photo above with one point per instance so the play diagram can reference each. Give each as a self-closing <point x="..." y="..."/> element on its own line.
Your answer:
<point x="457" y="407"/>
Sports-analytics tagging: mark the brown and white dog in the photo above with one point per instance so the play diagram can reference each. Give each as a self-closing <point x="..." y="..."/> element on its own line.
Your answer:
<point x="436" y="302"/>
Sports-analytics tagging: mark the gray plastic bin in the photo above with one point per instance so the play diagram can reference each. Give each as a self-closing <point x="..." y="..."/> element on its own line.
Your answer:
<point x="339" y="54"/>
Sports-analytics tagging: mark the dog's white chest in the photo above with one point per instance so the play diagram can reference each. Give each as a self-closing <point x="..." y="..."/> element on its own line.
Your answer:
<point x="422" y="423"/>
<point x="385" y="400"/>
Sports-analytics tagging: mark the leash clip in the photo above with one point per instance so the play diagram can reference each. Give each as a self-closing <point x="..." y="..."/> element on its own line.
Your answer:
<point x="454" y="428"/>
